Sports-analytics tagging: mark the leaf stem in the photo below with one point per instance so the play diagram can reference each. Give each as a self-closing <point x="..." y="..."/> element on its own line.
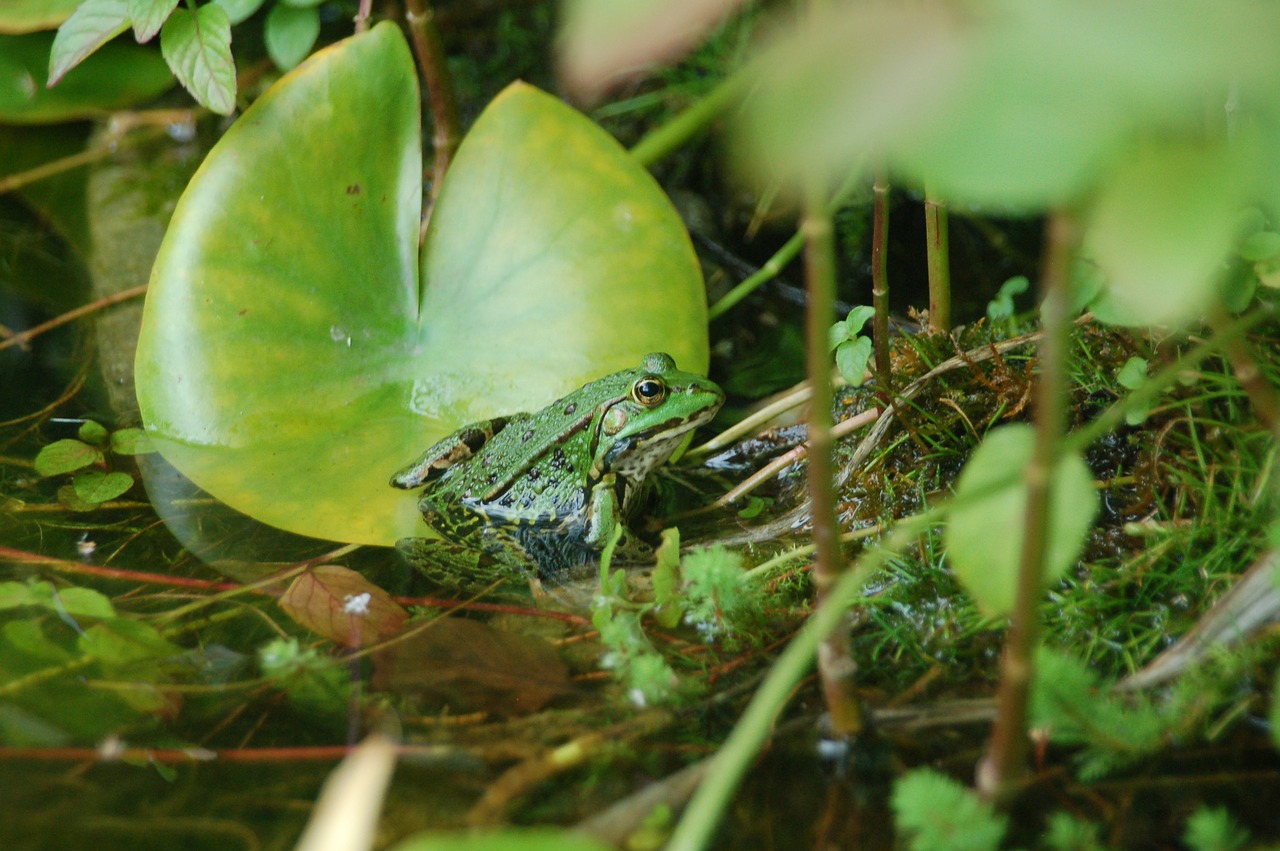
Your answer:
<point x="1005" y="762"/>
<point x="434" y="71"/>
<point x="880" y="283"/>
<point x="938" y="259"/>
<point x="662" y="141"/>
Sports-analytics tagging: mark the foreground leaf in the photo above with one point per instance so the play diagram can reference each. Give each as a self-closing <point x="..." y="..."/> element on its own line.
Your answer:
<point x="93" y="24"/>
<point x="985" y="532"/>
<point x="148" y="16"/>
<point x="24" y="16"/>
<point x="197" y="47"/>
<point x="290" y="359"/>
<point x="290" y="34"/>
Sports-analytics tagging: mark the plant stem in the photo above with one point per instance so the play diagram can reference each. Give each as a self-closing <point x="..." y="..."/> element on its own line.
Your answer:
<point x="1005" y="762"/>
<point x="880" y="283"/>
<point x="784" y="255"/>
<point x="939" y="261"/>
<point x="434" y="71"/>
<point x="835" y="660"/>
<point x="1266" y="403"/>
<point x="362" y="15"/>
<point x="660" y="142"/>
<point x="731" y="762"/>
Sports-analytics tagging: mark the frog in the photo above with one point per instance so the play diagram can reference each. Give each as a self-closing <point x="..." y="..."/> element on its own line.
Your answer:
<point x="541" y="494"/>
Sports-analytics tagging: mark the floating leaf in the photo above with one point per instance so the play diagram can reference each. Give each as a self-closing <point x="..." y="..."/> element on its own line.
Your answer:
<point x="93" y="24"/>
<point x="119" y="75"/>
<point x="148" y="16"/>
<point x="96" y="487"/>
<point x="343" y="606"/>
<point x="985" y="532"/>
<point x="291" y="361"/>
<point x="197" y="46"/>
<point x="64" y="456"/>
<point x="290" y="33"/>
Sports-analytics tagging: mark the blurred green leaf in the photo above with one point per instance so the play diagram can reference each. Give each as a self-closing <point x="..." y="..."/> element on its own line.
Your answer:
<point x="119" y="75"/>
<point x="510" y="839"/>
<point x="290" y="375"/>
<point x="93" y="24"/>
<point x="92" y="432"/>
<point x="985" y="532"/>
<point x="96" y="487"/>
<point x="1260" y="246"/>
<point x="85" y="602"/>
<point x="666" y="580"/>
<point x="197" y="46"/>
<point x="290" y="34"/>
<point x="121" y="641"/>
<point x="148" y="16"/>
<point x="24" y="16"/>
<point x="1160" y="230"/>
<point x="239" y="10"/>
<point x="64" y="456"/>
<point x="1002" y="307"/>
<point x="933" y="812"/>
<point x="131" y="441"/>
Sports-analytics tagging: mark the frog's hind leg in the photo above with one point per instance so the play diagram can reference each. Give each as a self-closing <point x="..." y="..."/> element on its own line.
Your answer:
<point x="451" y="450"/>
<point x="443" y="562"/>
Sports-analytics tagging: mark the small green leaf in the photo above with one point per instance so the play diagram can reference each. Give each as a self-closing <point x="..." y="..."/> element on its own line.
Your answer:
<point x="96" y="487"/>
<point x="14" y="595"/>
<point x="197" y="47"/>
<point x="852" y="358"/>
<point x="930" y="810"/>
<point x="131" y="441"/>
<point x="91" y="432"/>
<point x="290" y="33"/>
<point x="85" y="603"/>
<point x="1213" y="829"/>
<point x="91" y="25"/>
<point x="1133" y="374"/>
<point x="148" y="16"/>
<point x="505" y="839"/>
<point x="984" y="535"/>
<point x="1260" y="246"/>
<point x="1001" y="307"/>
<point x="70" y="500"/>
<point x="64" y="456"/>
<point x="123" y="640"/>
<point x="239" y="10"/>
<point x="301" y="4"/>
<point x="27" y="636"/>
<point x="754" y="506"/>
<point x="858" y="317"/>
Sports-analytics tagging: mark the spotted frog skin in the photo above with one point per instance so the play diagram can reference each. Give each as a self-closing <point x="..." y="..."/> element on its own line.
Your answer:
<point x="541" y="493"/>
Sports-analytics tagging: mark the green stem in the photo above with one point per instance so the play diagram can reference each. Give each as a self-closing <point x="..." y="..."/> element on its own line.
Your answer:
<point x="1005" y="763"/>
<point x="880" y="284"/>
<point x="835" y="662"/>
<point x="661" y="142"/>
<point x="784" y="255"/>
<point x="938" y="258"/>
<point x="698" y="824"/>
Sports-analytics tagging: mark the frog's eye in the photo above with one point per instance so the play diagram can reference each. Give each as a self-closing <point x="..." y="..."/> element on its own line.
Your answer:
<point x="649" y="391"/>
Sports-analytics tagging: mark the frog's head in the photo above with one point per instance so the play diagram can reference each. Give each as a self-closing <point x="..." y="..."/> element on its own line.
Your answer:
<point x="657" y="405"/>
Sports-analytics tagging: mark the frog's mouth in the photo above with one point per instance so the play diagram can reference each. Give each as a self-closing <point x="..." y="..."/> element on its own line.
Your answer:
<point x="635" y="456"/>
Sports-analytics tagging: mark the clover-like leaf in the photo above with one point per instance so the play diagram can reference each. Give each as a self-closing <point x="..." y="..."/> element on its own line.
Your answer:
<point x="293" y="357"/>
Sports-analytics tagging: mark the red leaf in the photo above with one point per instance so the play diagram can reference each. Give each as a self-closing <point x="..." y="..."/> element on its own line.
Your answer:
<point x="343" y="606"/>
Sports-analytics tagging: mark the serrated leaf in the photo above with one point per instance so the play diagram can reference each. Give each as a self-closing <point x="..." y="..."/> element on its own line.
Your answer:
<point x="122" y="640"/>
<point x="197" y="47"/>
<point x="91" y="25"/>
<point x="65" y="456"/>
<point x="131" y="441"/>
<point x="96" y="487"/>
<point x="290" y="33"/>
<point x="239" y="10"/>
<point x="985" y="532"/>
<point x="343" y="606"/>
<point x="92" y="432"/>
<point x="148" y="16"/>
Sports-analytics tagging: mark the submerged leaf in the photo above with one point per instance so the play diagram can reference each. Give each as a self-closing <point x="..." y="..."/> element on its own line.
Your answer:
<point x="123" y="640"/>
<point x="343" y="606"/>
<point x="65" y="456"/>
<point x="95" y="486"/>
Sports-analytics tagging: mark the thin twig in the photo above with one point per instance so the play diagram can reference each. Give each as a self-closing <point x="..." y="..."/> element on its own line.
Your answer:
<point x="24" y="337"/>
<point x="434" y="71"/>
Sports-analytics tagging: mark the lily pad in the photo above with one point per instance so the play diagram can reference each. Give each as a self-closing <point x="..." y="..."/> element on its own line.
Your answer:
<point x="23" y="16"/>
<point x="295" y="352"/>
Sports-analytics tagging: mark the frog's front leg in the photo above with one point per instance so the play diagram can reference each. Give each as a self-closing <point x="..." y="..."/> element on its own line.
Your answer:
<point x="604" y="515"/>
<point x="448" y="451"/>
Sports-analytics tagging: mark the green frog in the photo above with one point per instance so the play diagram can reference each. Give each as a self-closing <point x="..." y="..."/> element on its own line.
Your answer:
<point x="542" y="493"/>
